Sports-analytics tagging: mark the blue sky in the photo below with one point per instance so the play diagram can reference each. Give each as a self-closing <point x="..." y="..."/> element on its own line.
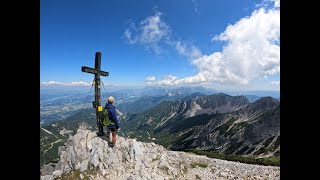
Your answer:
<point x="221" y="44"/>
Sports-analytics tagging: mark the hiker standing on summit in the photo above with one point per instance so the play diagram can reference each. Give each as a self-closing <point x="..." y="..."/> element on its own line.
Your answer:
<point x="113" y="117"/>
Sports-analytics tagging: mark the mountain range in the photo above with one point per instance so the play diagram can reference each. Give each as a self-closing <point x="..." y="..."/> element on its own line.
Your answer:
<point x="219" y="122"/>
<point x="184" y="120"/>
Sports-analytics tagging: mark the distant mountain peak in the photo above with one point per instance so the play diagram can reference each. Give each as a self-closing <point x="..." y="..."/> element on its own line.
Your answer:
<point x="221" y="94"/>
<point x="266" y="101"/>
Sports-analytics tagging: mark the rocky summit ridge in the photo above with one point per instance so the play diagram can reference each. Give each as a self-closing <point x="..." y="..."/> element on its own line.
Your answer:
<point x="88" y="156"/>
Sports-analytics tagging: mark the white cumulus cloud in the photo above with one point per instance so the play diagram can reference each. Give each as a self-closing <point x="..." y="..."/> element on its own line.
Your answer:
<point x="167" y="81"/>
<point x="252" y="52"/>
<point x="273" y="4"/>
<point x="277" y="83"/>
<point x="128" y="34"/>
<point x="80" y="83"/>
<point x="154" y="33"/>
<point x="276" y="3"/>
<point x="52" y="83"/>
<point x="150" y="78"/>
<point x="188" y="50"/>
<point x="151" y="31"/>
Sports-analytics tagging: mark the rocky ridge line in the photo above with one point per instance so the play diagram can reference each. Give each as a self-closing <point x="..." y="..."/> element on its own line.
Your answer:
<point x="134" y="160"/>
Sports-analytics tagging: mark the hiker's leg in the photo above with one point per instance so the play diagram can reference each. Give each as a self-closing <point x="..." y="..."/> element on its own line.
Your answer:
<point x="109" y="135"/>
<point x="114" y="137"/>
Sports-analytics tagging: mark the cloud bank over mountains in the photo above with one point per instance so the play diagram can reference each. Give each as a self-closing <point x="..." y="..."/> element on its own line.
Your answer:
<point x="251" y="52"/>
<point x="51" y="83"/>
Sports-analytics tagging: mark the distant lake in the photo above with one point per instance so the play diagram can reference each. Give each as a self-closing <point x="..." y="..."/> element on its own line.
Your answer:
<point x="55" y="98"/>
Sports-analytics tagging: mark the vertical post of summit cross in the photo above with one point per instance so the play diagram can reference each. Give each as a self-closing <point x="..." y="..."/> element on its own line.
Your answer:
<point x="97" y="93"/>
<point x="97" y="103"/>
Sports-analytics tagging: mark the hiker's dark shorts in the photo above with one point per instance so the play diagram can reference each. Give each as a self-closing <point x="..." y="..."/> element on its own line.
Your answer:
<point x="112" y="128"/>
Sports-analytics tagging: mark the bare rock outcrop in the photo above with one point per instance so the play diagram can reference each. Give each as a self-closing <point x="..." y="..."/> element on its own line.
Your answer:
<point x="134" y="160"/>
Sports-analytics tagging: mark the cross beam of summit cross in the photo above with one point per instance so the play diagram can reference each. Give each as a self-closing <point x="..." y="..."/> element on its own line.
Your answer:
<point x="97" y="103"/>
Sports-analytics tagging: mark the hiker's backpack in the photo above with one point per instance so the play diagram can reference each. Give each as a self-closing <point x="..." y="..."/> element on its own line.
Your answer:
<point x="105" y="119"/>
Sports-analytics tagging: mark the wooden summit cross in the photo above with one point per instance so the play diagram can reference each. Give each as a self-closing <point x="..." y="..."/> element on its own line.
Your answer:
<point x="97" y="103"/>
